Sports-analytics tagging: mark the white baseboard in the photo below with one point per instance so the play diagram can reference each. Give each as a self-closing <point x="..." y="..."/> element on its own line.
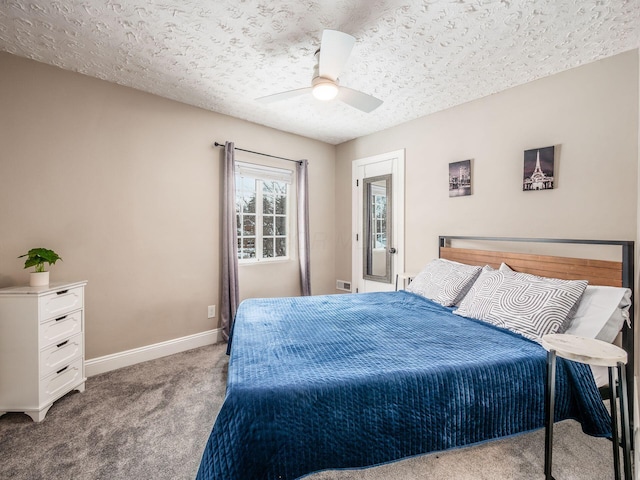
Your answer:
<point x="114" y="361"/>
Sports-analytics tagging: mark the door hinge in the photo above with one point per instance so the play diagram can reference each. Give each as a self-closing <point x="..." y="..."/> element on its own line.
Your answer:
<point x="357" y="183"/>
<point x="356" y="290"/>
<point x="357" y="238"/>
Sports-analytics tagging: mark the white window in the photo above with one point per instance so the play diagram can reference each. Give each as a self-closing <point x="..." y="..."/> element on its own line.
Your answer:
<point x="262" y="212"/>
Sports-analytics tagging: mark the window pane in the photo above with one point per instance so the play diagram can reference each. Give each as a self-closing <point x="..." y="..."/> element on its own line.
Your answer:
<point x="249" y="203"/>
<point x="249" y="248"/>
<point x="241" y="253"/>
<point x="267" y="226"/>
<point x="247" y="184"/>
<point x="267" y="248"/>
<point x="267" y="204"/>
<point x="261" y="224"/>
<point x="280" y="188"/>
<point x="238" y="183"/>
<point x="267" y="187"/>
<point x="249" y="225"/>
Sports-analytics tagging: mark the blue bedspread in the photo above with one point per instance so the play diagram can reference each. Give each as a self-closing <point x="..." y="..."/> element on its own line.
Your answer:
<point x="342" y="381"/>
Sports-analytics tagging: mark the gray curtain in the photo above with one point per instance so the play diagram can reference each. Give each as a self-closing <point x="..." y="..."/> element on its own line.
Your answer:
<point x="303" y="226"/>
<point x="230" y="292"/>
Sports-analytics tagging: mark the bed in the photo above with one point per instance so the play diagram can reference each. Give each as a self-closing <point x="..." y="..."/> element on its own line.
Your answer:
<point x="348" y="381"/>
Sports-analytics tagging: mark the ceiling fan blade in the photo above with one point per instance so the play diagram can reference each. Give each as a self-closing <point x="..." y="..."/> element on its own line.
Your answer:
<point x="335" y="49"/>
<point x="276" y="97"/>
<point x="358" y="100"/>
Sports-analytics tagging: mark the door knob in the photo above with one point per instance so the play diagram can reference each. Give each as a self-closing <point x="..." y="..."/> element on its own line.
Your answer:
<point x="392" y="250"/>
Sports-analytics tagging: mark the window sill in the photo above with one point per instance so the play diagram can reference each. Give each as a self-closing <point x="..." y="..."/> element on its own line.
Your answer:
<point x="252" y="263"/>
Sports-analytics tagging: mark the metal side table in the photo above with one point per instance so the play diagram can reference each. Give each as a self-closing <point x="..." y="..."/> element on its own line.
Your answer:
<point x="592" y="352"/>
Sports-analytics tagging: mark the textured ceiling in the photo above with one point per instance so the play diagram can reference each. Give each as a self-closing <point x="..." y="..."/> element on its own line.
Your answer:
<point x="418" y="56"/>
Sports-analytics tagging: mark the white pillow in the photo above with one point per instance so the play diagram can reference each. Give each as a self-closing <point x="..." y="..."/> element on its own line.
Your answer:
<point x="526" y="304"/>
<point x="601" y="313"/>
<point x="505" y="268"/>
<point x="444" y="281"/>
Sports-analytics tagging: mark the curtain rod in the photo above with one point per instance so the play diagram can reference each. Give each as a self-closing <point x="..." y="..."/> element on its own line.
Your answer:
<point x="216" y="144"/>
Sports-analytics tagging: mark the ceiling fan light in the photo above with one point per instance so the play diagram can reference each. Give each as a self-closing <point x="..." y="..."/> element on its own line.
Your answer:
<point x="325" y="91"/>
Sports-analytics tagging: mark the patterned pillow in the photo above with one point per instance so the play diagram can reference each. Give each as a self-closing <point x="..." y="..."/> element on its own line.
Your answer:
<point x="572" y="313"/>
<point x="526" y="304"/>
<point x="444" y="281"/>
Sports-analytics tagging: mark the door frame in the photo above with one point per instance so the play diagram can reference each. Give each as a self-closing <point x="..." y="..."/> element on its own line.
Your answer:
<point x="398" y="242"/>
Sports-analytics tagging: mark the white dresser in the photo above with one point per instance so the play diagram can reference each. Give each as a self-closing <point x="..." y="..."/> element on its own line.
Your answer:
<point x="41" y="346"/>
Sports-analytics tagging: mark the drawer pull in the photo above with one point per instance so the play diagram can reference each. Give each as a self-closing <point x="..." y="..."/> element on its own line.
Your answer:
<point x="61" y="318"/>
<point x="62" y="292"/>
<point x="62" y="344"/>
<point x="62" y="370"/>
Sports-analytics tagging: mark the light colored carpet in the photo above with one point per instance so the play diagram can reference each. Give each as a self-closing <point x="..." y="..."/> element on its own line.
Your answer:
<point x="576" y="456"/>
<point x="148" y="421"/>
<point x="152" y="420"/>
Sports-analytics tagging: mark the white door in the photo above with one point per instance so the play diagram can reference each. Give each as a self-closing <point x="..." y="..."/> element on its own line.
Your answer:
<point x="378" y="221"/>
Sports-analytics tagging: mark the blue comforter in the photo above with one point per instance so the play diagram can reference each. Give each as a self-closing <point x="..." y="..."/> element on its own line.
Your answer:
<point x="343" y="381"/>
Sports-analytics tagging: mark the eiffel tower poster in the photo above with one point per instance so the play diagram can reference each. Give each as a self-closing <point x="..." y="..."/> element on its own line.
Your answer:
<point x="538" y="169"/>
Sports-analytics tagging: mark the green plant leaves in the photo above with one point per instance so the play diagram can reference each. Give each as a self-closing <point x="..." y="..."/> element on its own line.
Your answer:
<point x="37" y="257"/>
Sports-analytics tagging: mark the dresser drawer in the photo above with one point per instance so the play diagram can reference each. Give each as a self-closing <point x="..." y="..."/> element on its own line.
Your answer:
<point x="59" y="329"/>
<point x="56" y="304"/>
<point x="56" y="356"/>
<point x="61" y="381"/>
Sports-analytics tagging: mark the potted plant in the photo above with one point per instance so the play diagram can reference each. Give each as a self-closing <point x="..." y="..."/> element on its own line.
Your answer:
<point x="37" y="257"/>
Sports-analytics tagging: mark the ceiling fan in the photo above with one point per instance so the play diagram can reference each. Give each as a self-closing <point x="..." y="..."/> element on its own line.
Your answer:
<point x="331" y="57"/>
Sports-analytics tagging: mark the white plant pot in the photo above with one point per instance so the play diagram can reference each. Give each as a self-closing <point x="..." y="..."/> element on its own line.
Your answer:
<point x="39" y="279"/>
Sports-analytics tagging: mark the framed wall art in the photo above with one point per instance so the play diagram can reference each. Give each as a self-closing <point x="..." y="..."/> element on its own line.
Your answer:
<point x="460" y="178"/>
<point x="538" y="169"/>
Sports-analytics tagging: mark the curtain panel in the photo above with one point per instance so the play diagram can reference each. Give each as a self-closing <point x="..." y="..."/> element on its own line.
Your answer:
<point x="230" y="295"/>
<point x="303" y="226"/>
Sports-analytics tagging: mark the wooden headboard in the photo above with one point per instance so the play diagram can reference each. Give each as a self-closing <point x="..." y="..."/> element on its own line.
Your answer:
<point x="597" y="272"/>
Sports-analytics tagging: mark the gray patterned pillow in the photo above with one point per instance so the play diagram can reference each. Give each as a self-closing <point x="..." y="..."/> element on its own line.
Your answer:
<point x="444" y="281"/>
<point x="572" y="313"/>
<point x="526" y="304"/>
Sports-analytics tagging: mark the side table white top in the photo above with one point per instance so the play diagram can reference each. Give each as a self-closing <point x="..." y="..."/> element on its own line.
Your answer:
<point x="52" y="287"/>
<point x="584" y="350"/>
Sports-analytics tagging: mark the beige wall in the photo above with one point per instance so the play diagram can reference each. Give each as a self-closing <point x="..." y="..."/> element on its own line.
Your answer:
<point x="125" y="186"/>
<point x="589" y="113"/>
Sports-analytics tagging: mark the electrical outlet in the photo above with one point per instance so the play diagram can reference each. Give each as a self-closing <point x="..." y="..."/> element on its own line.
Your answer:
<point x="211" y="311"/>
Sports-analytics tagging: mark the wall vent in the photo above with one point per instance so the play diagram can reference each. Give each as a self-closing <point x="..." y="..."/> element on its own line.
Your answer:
<point x="342" y="285"/>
